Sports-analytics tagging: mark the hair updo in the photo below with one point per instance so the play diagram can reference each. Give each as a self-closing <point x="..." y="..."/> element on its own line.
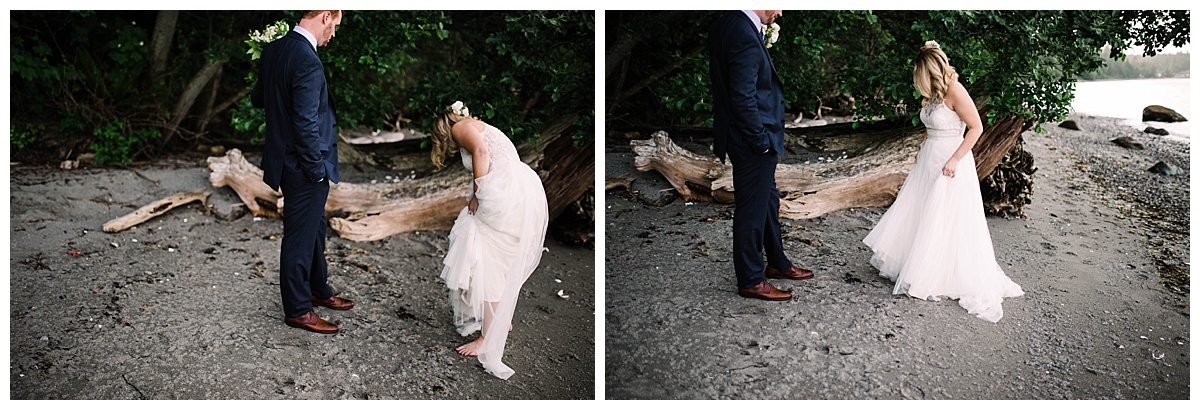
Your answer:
<point x="932" y="72"/>
<point x="443" y="143"/>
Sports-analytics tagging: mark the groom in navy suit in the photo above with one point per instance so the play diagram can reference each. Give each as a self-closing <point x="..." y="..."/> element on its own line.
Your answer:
<point x="748" y="127"/>
<point x="301" y="158"/>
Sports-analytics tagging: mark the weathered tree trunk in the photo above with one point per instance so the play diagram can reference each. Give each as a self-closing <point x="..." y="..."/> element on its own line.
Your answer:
<point x="576" y="224"/>
<point x="160" y="41"/>
<point x="154" y="209"/>
<point x="1005" y="168"/>
<point x="870" y="179"/>
<point x="996" y="143"/>
<point x="190" y="93"/>
<point x="215" y="108"/>
<point x="842" y="138"/>
<point x="866" y="169"/>
<point x="808" y="190"/>
<point x="381" y="216"/>
<point x="373" y="211"/>
<point x="366" y="212"/>
<point x="210" y="104"/>
<point x="567" y="172"/>
<point x="247" y="181"/>
<point x="691" y="174"/>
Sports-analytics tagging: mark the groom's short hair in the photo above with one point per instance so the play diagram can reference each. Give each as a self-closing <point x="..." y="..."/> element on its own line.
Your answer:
<point x="314" y="13"/>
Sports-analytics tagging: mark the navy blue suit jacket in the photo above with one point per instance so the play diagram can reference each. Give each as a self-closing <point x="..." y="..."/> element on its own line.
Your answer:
<point x="301" y="126"/>
<point x="747" y="92"/>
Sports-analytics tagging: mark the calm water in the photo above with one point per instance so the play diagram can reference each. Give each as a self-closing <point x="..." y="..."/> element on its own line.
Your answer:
<point x="1126" y="99"/>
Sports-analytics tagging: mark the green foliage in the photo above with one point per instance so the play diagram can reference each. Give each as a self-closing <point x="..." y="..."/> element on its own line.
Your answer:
<point x="23" y="136"/>
<point x="542" y="63"/>
<point x="376" y="56"/>
<point x="248" y="120"/>
<point x="515" y="69"/>
<point x="668" y="65"/>
<point x="89" y="70"/>
<point x="1015" y="62"/>
<point x="115" y="142"/>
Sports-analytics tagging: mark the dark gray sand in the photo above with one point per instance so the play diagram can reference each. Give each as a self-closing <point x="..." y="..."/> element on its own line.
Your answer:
<point x="1097" y="320"/>
<point x="187" y="306"/>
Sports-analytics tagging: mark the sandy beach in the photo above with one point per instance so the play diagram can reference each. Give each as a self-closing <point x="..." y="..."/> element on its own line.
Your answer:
<point x="1102" y="255"/>
<point x="187" y="305"/>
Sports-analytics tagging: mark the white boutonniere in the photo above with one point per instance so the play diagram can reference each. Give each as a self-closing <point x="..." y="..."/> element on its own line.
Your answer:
<point x="770" y="34"/>
<point x="259" y="39"/>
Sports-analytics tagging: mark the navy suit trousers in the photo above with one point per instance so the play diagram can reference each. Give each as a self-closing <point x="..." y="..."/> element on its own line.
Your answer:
<point x="303" y="272"/>
<point x="756" y="217"/>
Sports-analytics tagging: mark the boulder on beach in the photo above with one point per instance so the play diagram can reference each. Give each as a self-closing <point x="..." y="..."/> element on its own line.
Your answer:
<point x="1161" y="114"/>
<point x="1156" y="131"/>
<point x="1164" y="168"/>
<point x="1129" y="142"/>
<point x="1070" y="125"/>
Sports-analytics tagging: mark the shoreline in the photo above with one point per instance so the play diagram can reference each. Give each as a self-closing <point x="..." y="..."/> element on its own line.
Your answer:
<point x="1096" y="322"/>
<point x="1160" y="203"/>
<point x="1139" y="126"/>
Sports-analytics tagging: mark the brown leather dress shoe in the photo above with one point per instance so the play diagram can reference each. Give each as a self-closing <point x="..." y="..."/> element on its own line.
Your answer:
<point x="764" y="290"/>
<point x="793" y="273"/>
<point x="334" y="303"/>
<point x="311" y="322"/>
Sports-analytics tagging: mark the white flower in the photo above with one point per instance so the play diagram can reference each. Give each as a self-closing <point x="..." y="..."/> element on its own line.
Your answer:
<point x="771" y="34"/>
<point x="460" y="109"/>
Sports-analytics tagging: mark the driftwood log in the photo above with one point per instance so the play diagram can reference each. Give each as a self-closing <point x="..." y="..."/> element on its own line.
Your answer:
<point x="366" y="212"/>
<point x="1005" y="168"/>
<point x="234" y="171"/>
<point x="691" y="174"/>
<point x="808" y="190"/>
<point x="867" y="169"/>
<point x="154" y="209"/>
<point x="1009" y="187"/>
<point x="434" y="210"/>
<point x="369" y="211"/>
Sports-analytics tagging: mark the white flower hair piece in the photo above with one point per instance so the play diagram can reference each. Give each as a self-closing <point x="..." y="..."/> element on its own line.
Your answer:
<point x="459" y="108"/>
<point x="770" y="34"/>
<point x="932" y="44"/>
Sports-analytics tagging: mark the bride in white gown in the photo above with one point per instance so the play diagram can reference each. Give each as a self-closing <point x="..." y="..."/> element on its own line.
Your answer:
<point x="497" y="240"/>
<point x="933" y="241"/>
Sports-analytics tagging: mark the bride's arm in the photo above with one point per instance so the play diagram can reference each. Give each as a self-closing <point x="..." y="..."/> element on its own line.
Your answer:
<point x="469" y="138"/>
<point x="960" y="101"/>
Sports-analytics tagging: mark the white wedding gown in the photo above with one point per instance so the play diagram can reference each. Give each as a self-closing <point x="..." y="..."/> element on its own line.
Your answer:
<point x="494" y="251"/>
<point x="933" y="241"/>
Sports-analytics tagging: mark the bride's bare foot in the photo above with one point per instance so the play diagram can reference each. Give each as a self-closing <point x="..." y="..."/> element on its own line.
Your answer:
<point x="472" y="348"/>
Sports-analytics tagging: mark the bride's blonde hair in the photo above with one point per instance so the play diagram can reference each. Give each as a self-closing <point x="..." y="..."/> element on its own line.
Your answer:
<point x="443" y="143"/>
<point x="932" y="73"/>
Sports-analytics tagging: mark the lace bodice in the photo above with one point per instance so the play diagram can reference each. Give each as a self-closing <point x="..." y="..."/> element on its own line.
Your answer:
<point x="941" y="122"/>
<point x="499" y="146"/>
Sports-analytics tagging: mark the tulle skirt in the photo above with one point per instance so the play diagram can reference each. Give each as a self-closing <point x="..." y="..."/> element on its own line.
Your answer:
<point x="493" y="252"/>
<point x="934" y="241"/>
